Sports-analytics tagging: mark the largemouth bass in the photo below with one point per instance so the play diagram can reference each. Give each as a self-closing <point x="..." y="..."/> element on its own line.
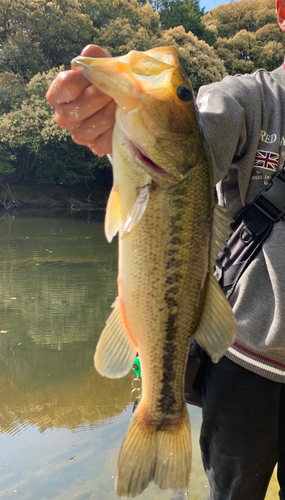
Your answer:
<point x="170" y="234"/>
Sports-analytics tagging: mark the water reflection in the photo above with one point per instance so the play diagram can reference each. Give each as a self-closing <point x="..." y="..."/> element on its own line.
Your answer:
<point x="58" y="280"/>
<point x="62" y="424"/>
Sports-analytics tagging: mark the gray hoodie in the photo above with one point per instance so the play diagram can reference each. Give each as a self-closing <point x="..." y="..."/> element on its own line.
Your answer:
<point x="244" y="122"/>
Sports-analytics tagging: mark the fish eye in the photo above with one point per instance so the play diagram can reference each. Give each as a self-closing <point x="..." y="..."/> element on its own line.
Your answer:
<point x="184" y="93"/>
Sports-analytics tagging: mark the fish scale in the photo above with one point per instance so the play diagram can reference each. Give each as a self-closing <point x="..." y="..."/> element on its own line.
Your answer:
<point x="170" y="233"/>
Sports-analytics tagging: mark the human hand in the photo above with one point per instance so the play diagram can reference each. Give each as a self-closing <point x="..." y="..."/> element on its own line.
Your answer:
<point x="83" y="109"/>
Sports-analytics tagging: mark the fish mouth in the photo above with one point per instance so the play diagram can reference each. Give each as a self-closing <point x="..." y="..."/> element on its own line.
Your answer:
<point x="141" y="156"/>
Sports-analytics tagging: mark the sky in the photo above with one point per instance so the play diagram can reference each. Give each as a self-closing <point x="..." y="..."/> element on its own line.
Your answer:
<point x="210" y="4"/>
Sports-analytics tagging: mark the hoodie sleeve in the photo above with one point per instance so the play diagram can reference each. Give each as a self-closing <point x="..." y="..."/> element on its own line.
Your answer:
<point x="227" y="112"/>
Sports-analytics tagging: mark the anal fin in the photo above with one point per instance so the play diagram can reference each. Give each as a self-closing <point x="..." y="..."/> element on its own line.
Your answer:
<point x="217" y="327"/>
<point x="115" y="351"/>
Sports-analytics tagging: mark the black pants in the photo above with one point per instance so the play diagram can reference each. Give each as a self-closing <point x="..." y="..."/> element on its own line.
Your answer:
<point x="243" y="432"/>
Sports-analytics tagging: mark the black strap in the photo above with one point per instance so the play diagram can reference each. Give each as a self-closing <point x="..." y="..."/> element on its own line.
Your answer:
<point x="271" y="202"/>
<point x="252" y="225"/>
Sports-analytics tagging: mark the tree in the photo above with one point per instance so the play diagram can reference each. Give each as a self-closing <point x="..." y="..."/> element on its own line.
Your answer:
<point x="186" y="13"/>
<point x="7" y="162"/>
<point x="37" y="35"/>
<point x="157" y="4"/>
<point x="27" y="128"/>
<point x="66" y="163"/>
<point x="247" y="35"/>
<point x="124" y="25"/>
<point x="12" y="91"/>
<point x="35" y="146"/>
<point x="198" y="59"/>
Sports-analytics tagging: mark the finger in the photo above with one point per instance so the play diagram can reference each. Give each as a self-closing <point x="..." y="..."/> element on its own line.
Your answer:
<point x="102" y="145"/>
<point x="88" y="103"/>
<point x="95" y="126"/>
<point x="94" y="51"/>
<point x="69" y="84"/>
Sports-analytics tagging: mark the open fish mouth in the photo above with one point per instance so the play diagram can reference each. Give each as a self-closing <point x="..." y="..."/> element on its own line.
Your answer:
<point x="141" y="156"/>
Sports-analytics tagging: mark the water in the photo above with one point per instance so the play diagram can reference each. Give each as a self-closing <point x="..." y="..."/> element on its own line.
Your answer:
<point x="61" y="424"/>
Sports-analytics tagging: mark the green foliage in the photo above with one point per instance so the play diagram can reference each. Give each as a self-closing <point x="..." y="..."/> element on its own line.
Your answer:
<point x="7" y="160"/>
<point x="39" y="84"/>
<point x="31" y="144"/>
<point x="36" y="35"/>
<point x="102" y="12"/>
<point x="12" y="91"/>
<point x="186" y="13"/>
<point x="250" y="15"/>
<point x="124" y="25"/>
<point x="65" y="163"/>
<point x="30" y="126"/>
<point x="247" y="35"/>
<point x="198" y="59"/>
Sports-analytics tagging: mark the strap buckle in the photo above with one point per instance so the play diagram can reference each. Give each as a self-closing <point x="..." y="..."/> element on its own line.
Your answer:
<point x="271" y="202"/>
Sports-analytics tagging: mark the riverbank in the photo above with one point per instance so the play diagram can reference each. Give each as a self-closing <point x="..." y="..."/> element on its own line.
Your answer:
<point x="18" y="197"/>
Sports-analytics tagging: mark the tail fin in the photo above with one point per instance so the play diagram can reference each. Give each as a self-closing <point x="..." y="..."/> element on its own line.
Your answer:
<point x="154" y="453"/>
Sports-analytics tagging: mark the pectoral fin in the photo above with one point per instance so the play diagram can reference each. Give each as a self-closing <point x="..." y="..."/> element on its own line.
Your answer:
<point x="113" y="214"/>
<point x="137" y="211"/>
<point x="115" y="351"/>
<point x="217" y="327"/>
<point x="221" y="232"/>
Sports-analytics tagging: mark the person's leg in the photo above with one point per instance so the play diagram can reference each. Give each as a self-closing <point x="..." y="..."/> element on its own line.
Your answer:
<point x="239" y="434"/>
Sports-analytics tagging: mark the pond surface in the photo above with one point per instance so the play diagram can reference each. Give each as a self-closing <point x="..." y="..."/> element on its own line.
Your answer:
<point x="61" y="424"/>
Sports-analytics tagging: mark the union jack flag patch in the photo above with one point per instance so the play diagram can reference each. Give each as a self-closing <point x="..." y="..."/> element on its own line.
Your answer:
<point x="265" y="159"/>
